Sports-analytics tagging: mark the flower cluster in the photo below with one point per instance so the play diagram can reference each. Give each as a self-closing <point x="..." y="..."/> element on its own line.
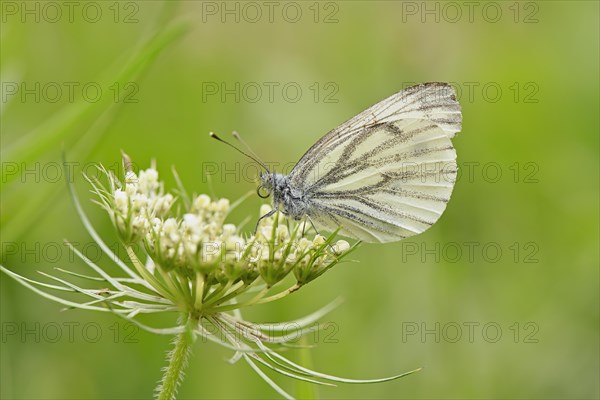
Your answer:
<point x="136" y="202"/>
<point x="199" y="240"/>
<point x="193" y="239"/>
<point x="188" y="260"/>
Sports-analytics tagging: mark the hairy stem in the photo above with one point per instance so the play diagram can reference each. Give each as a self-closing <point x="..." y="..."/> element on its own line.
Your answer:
<point x="178" y="360"/>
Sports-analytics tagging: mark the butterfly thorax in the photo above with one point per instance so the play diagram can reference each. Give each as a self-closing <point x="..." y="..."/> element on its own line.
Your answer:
<point x="288" y="199"/>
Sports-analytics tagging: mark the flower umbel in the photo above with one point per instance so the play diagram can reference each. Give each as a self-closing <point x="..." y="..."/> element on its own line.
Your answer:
<point x="187" y="260"/>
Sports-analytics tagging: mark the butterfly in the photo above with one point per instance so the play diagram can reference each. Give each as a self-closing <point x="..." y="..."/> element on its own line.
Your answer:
<point x="382" y="176"/>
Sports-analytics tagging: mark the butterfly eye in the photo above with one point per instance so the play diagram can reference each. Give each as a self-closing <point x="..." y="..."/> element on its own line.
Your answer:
<point x="262" y="192"/>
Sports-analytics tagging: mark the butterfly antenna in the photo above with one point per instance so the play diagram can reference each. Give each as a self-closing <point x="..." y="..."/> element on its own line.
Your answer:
<point x="250" y="156"/>
<point x="242" y="141"/>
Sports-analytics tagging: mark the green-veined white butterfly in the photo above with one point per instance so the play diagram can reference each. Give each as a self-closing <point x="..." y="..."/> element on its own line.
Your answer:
<point x="383" y="175"/>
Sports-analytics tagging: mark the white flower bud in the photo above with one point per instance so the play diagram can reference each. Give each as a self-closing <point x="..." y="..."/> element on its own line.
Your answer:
<point x="192" y="224"/>
<point x="201" y="202"/>
<point x="229" y="230"/>
<point x="341" y="246"/>
<point x="131" y="183"/>
<point x="170" y="230"/>
<point x="148" y="181"/>
<point x="304" y="244"/>
<point x="138" y="202"/>
<point x="121" y="201"/>
<point x="163" y="204"/>
<point x="140" y="224"/>
<point x="222" y="205"/>
<point x="156" y="223"/>
<point x="318" y="240"/>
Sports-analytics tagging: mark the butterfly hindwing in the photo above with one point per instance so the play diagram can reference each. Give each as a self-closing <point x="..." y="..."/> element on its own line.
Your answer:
<point x="395" y="186"/>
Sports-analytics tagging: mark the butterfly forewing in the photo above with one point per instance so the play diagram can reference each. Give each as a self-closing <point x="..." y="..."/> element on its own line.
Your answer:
<point x="387" y="173"/>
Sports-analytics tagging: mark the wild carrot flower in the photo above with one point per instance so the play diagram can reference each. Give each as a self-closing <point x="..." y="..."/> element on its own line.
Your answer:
<point x="187" y="260"/>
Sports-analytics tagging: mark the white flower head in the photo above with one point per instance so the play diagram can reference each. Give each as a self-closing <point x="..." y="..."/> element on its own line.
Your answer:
<point x="148" y="182"/>
<point x="121" y="200"/>
<point x="198" y="265"/>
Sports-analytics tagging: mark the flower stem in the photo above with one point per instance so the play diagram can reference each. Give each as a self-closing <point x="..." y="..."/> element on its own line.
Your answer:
<point x="279" y="295"/>
<point x="178" y="360"/>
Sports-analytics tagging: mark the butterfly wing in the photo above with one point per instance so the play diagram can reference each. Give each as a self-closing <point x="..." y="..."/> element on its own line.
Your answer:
<point x="387" y="173"/>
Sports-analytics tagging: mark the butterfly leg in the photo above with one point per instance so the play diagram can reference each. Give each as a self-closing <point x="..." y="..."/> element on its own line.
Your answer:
<point x="312" y="224"/>
<point x="317" y="232"/>
<point x="267" y="215"/>
<point x="306" y="217"/>
<point x="304" y="226"/>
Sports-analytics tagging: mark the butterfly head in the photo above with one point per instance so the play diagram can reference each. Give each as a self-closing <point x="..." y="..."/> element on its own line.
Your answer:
<point x="265" y="188"/>
<point x="273" y="183"/>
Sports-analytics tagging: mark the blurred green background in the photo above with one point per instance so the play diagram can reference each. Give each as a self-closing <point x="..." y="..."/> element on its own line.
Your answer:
<point x="498" y="300"/>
